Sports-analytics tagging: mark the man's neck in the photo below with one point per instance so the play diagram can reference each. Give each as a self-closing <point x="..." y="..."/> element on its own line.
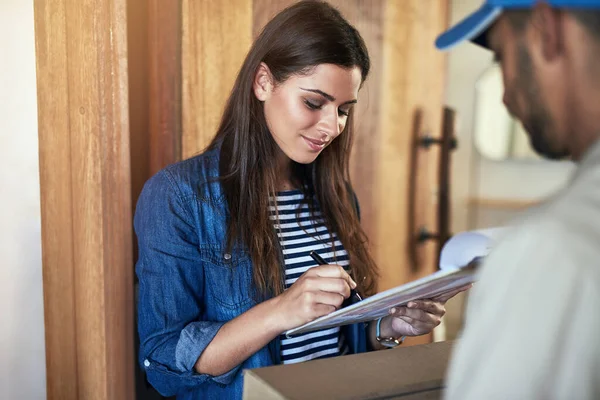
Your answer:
<point x="584" y="135"/>
<point x="584" y="124"/>
<point x="583" y="101"/>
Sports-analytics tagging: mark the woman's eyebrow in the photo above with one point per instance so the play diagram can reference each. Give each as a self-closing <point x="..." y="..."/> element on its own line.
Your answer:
<point x="327" y="96"/>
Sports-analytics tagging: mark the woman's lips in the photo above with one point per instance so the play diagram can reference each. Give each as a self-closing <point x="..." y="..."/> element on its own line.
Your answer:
<point x="314" y="144"/>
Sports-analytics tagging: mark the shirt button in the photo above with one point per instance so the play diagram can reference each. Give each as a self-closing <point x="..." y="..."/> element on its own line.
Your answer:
<point x="146" y="363"/>
<point x="227" y="256"/>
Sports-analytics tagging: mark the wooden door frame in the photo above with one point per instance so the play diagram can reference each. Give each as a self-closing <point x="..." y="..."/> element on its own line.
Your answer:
<point x="85" y="183"/>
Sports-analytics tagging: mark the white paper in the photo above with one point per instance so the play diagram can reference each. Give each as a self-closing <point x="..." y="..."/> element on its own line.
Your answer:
<point x="465" y="247"/>
<point x="455" y="259"/>
<point x="379" y="305"/>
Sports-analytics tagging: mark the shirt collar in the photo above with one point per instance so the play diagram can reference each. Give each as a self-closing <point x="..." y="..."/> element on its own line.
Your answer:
<point x="590" y="159"/>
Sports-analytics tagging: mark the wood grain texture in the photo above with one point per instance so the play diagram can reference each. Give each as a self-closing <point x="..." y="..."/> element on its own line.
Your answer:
<point x="216" y="38"/>
<point x="367" y="17"/>
<point x="264" y="10"/>
<point x="138" y="61"/>
<point x="86" y="198"/>
<point x="164" y="39"/>
<point x="413" y="83"/>
<point x="56" y="200"/>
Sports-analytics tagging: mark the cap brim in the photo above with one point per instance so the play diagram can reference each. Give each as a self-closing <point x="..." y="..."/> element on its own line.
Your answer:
<point x="473" y="28"/>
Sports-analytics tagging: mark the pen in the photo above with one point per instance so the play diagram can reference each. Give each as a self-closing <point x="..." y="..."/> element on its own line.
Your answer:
<point x="319" y="260"/>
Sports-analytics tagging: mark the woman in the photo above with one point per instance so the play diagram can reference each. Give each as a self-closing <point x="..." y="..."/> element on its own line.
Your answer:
<point x="224" y="237"/>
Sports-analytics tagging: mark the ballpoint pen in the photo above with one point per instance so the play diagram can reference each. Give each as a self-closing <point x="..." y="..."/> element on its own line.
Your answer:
<point x="354" y="296"/>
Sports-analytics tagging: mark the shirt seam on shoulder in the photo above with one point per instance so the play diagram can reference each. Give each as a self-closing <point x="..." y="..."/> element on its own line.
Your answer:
<point x="182" y="198"/>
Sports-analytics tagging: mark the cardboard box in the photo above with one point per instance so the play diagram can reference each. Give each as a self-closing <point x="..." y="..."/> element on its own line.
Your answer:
<point x="409" y="373"/>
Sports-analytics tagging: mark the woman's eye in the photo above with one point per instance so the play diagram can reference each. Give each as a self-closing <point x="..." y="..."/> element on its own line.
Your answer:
<point x="343" y="113"/>
<point x="311" y="105"/>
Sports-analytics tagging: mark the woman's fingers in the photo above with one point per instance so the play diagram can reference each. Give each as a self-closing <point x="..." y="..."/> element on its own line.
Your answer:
<point x="330" y="285"/>
<point x="311" y="299"/>
<point x="332" y="271"/>
<point x="320" y="310"/>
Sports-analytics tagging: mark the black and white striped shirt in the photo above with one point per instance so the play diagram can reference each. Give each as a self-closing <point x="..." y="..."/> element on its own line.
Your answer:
<point x="299" y="233"/>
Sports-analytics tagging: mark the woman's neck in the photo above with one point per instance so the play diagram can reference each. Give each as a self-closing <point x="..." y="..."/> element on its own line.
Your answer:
<point x="285" y="177"/>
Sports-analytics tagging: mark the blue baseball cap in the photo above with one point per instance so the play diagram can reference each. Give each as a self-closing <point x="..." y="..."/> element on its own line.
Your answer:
<point x="475" y="26"/>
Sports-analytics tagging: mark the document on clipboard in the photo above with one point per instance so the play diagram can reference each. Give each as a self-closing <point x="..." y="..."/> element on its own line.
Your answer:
<point x="459" y="260"/>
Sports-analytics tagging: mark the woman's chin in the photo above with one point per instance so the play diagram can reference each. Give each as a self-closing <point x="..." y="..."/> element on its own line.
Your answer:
<point x="304" y="157"/>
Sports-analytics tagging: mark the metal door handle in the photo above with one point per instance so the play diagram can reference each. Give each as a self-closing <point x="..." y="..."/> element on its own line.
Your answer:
<point x="447" y="143"/>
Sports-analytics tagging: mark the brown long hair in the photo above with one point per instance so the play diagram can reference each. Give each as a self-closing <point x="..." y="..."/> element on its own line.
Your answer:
<point x="299" y="38"/>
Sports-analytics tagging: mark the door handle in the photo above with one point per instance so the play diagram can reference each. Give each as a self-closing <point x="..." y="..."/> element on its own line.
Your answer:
<point x="447" y="143"/>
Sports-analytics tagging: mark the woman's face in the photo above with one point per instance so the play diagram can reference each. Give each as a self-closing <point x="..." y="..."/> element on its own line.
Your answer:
<point x="307" y="112"/>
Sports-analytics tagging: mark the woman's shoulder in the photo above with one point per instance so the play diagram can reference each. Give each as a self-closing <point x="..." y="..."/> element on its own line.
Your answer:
<point x="203" y="165"/>
<point x="194" y="176"/>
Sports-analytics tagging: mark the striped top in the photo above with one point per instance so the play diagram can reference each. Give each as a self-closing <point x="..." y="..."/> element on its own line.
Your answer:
<point x="299" y="233"/>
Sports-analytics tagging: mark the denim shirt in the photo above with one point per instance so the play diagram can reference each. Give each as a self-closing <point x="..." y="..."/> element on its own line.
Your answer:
<point x="189" y="286"/>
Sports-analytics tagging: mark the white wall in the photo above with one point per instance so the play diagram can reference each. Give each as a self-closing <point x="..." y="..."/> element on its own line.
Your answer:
<point x="22" y="354"/>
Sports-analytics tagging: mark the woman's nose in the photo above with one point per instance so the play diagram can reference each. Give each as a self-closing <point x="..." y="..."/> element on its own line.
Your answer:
<point x="331" y="123"/>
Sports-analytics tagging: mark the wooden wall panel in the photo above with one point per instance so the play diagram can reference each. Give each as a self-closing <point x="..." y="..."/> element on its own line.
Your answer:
<point x="216" y="38"/>
<point x="413" y="82"/>
<point x="264" y="11"/>
<point x="414" y="74"/>
<point x="86" y="201"/>
<point x="139" y="98"/>
<point x="367" y="17"/>
<point x="165" y="80"/>
<point x="56" y="201"/>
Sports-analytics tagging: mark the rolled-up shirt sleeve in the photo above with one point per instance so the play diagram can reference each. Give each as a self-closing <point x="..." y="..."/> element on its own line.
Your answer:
<point x="171" y="282"/>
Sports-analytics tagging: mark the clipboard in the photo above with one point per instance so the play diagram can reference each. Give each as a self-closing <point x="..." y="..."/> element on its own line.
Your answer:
<point x="379" y="305"/>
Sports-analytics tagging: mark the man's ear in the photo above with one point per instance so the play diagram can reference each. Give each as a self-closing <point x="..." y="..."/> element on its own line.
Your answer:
<point x="263" y="82"/>
<point x="548" y="24"/>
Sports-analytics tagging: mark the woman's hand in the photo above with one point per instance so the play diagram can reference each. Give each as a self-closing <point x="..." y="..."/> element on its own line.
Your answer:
<point x="319" y="291"/>
<point x="419" y="317"/>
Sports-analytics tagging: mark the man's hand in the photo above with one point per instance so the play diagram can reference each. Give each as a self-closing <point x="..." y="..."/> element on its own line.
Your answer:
<point x="419" y="317"/>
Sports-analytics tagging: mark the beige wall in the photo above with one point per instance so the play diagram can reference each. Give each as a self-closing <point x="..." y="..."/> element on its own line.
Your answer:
<point x="22" y="356"/>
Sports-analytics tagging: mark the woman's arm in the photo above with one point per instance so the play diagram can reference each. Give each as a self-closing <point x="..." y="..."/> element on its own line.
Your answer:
<point x="317" y="292"/>
<point x="173" y="342"/>
<point x="239" y="338"/>
<point x="171" y="279"/>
